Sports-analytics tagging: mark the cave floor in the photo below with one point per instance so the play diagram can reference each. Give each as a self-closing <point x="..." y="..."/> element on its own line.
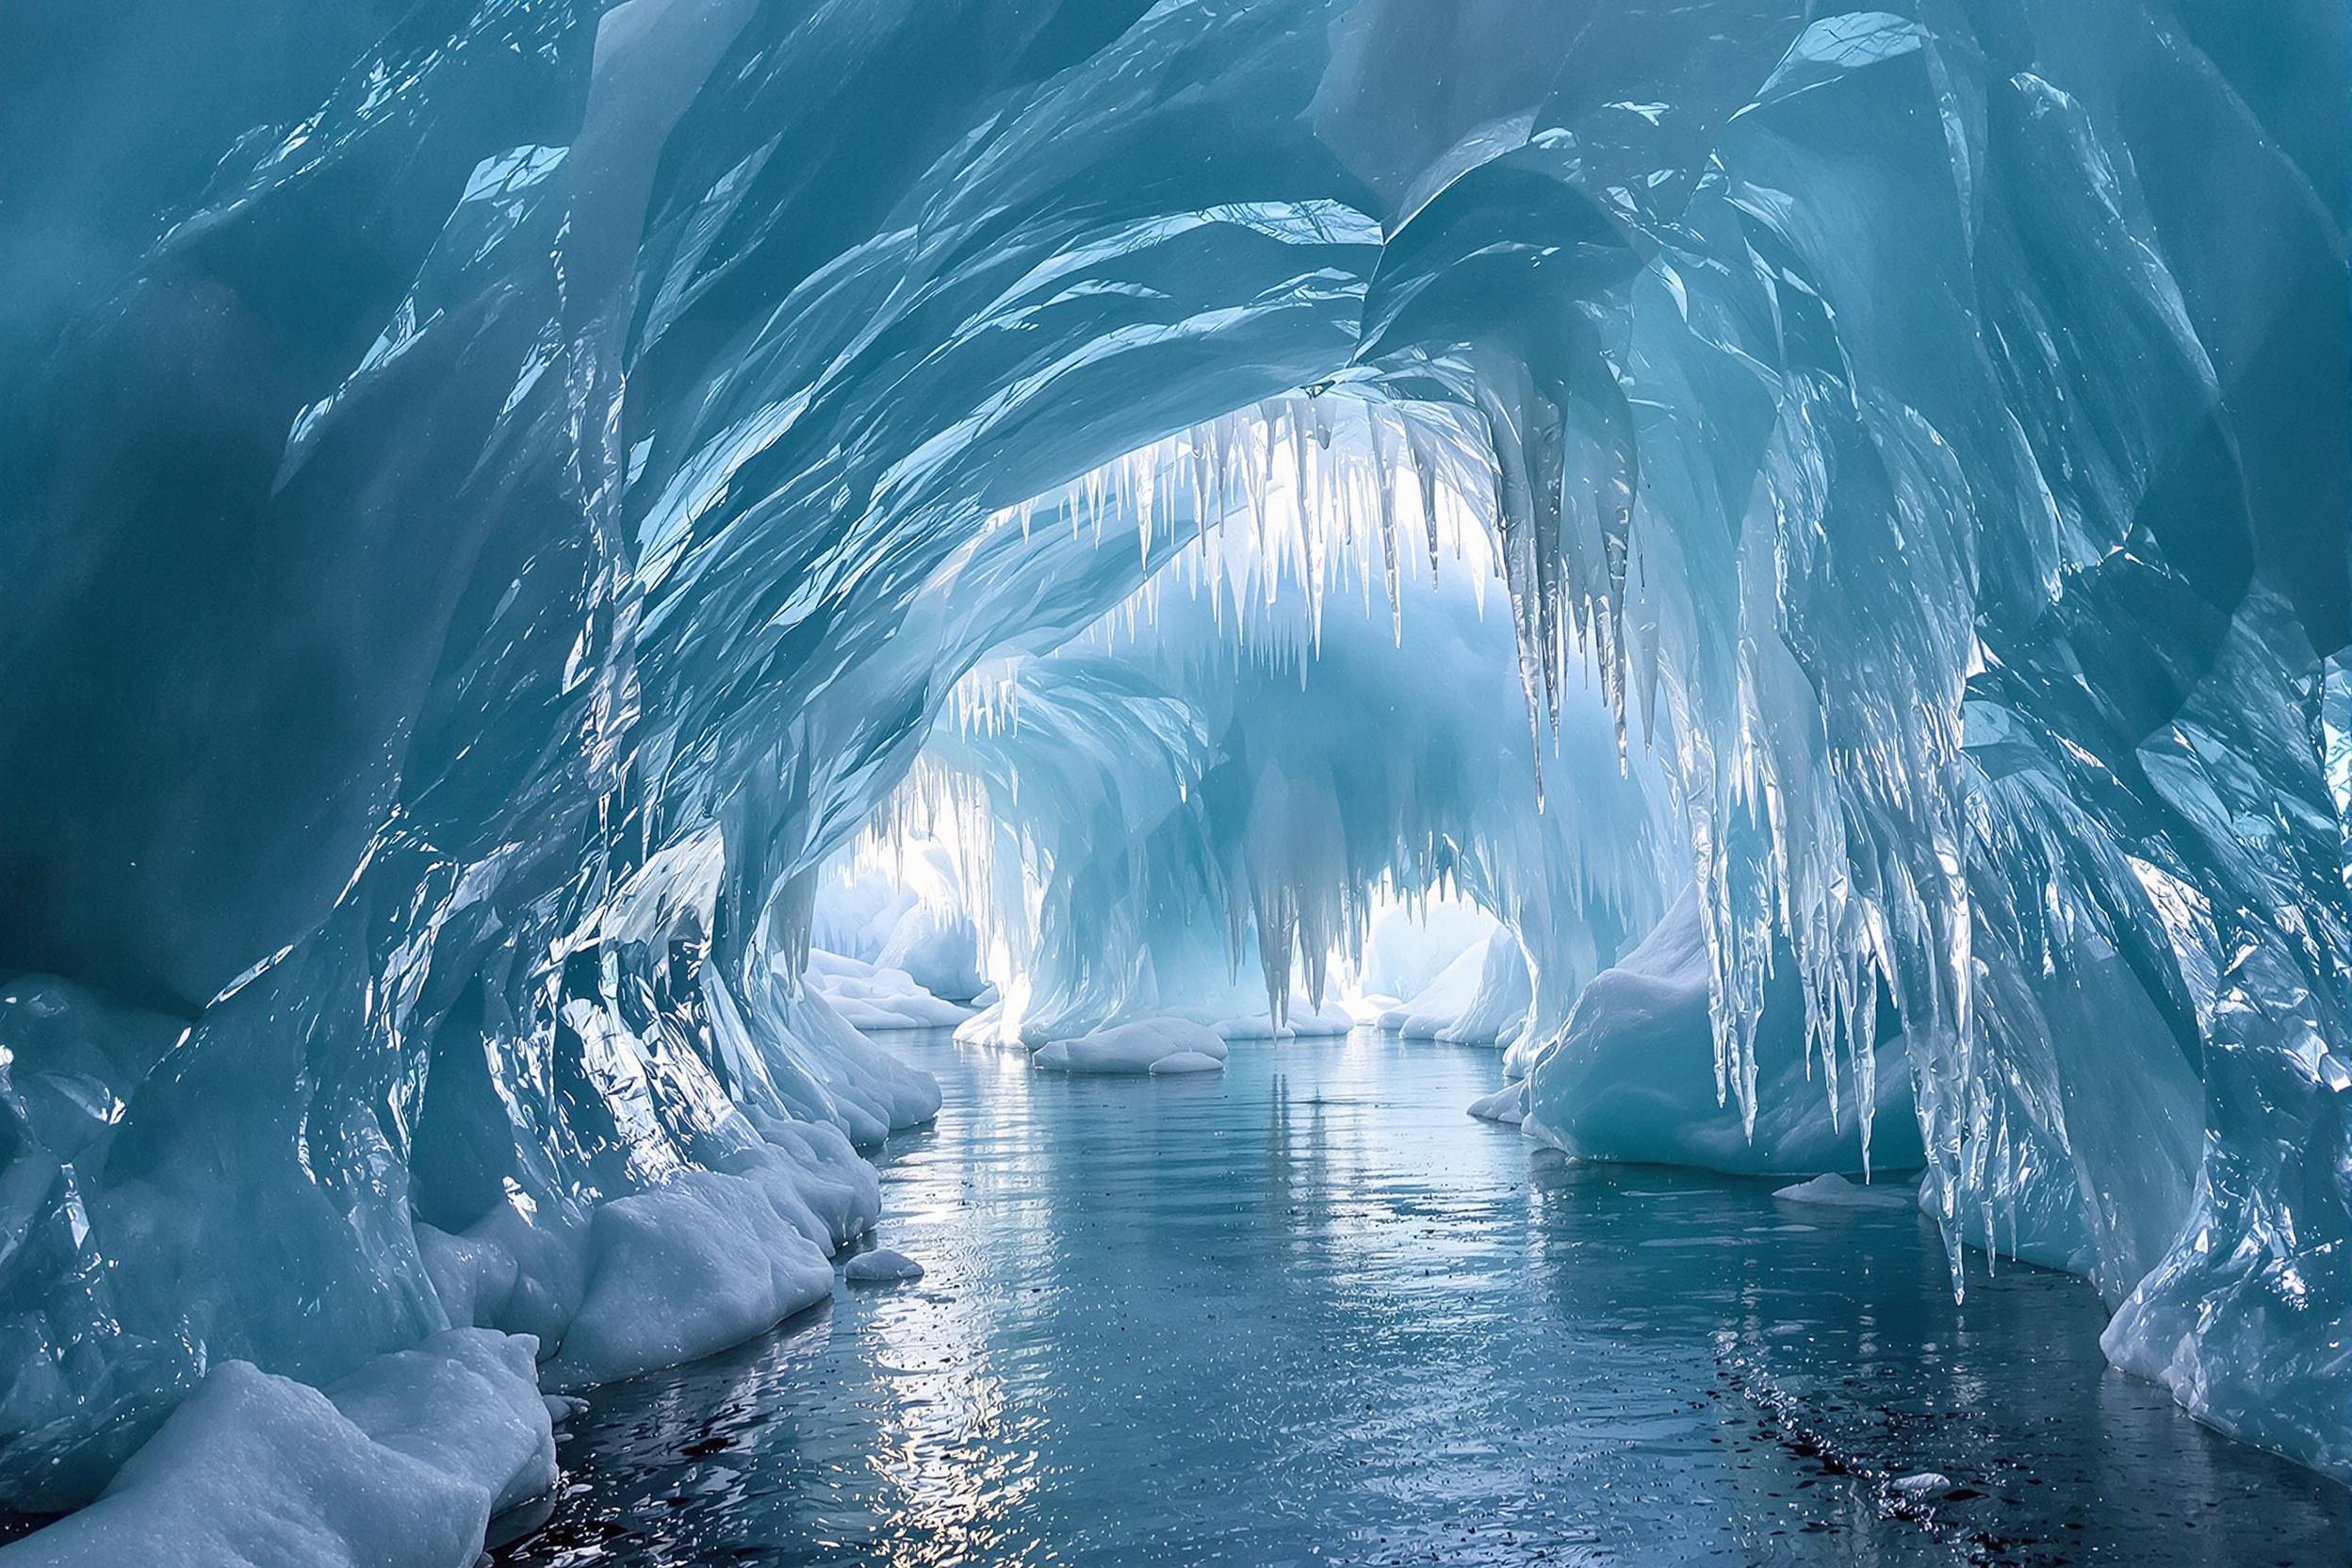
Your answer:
<point x="1307" y="1311"/>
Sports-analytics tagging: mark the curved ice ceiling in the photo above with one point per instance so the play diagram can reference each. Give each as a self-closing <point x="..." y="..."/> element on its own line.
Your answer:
<point x="516" y="510"/>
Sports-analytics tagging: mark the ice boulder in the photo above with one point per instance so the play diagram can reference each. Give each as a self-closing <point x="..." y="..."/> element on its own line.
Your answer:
<point x="879" y="1267"/>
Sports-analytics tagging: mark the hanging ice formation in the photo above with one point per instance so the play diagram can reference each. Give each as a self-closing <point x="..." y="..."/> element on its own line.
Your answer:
<point x="1193" y="804"/>
<point x="527" y="505"/>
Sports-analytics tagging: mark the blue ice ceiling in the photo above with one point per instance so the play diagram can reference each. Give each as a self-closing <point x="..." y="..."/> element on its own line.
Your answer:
<point x="496" y="494"/>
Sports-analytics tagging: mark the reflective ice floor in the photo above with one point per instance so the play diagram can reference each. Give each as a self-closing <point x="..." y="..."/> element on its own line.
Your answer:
<point x="1309" y="1313"/>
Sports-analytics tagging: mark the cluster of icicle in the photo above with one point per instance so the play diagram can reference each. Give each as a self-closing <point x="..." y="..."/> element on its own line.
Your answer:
<point x="1302" y="479"/>
<point x="1299" y="516"/>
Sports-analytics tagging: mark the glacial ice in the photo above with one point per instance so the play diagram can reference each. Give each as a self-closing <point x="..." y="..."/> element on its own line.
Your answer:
<point x="553" y="476"/>
<point x="1630" y="1078"/>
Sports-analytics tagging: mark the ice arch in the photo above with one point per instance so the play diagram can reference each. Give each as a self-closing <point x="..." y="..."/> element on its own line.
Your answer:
<point x="475" y="559"/>
<point x="1316" y="701"/>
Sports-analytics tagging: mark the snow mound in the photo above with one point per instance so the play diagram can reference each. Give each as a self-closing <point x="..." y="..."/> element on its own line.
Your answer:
<point x="1143" y="1046"/>
<point x="1481" y="998"/>
<point x="404" y="1461"/>
<point x="875" y="996"/>
<point x="1835" y="1192"/>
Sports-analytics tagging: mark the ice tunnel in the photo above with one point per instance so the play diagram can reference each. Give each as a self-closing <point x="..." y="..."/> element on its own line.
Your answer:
<point x="1777" y="579"/>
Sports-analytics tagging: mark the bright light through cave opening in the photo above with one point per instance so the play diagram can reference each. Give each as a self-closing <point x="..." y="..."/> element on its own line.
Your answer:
<point x="1195" y="840"/>
<point x="771" y="777"/>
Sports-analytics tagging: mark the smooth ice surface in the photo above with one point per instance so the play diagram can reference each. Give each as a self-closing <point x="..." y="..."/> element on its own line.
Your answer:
<point x="1306" y="1312"/>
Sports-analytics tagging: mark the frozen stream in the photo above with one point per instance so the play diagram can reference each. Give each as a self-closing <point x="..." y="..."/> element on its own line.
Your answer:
<point x="1308" y="1311"/>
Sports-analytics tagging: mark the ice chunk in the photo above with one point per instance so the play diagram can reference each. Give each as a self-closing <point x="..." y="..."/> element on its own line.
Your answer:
<point x="1835" y="1192"/>
<point x="1507" y="1105"/>
<point x="1142" y="1046"/>
<point x="880" y="1266"/>
<point x="691" y="1265"/>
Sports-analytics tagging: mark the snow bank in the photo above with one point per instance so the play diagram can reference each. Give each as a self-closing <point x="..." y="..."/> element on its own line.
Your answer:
<point x="700" y="1260"/>
<point x="401" y="1463"/>
<point x="1147" y="1045"/>
<point x="1483" y="997"/>
<point x="878" y="996"/>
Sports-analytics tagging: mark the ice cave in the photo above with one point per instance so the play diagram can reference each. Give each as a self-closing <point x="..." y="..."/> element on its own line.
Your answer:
<point x="1220" y="782"/>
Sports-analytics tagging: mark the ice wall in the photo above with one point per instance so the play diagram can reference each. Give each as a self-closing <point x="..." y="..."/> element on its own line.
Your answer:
<point x="515" y="514"/>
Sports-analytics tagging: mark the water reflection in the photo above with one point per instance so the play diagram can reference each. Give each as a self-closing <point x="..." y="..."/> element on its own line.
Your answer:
<point x="1308" y="1312"/>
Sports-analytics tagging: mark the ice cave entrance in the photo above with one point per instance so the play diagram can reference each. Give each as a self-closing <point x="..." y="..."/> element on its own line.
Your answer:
<point x="1295" y="779"/>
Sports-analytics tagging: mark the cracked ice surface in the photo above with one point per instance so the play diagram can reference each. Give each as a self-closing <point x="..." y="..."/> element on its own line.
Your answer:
<point x="519" y="512"/>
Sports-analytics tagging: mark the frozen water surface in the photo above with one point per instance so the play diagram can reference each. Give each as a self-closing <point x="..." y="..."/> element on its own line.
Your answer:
<point x="1307" y="1311"/>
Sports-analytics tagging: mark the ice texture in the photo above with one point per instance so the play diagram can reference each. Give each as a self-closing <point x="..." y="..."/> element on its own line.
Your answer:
<point x="495" y="505"/>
